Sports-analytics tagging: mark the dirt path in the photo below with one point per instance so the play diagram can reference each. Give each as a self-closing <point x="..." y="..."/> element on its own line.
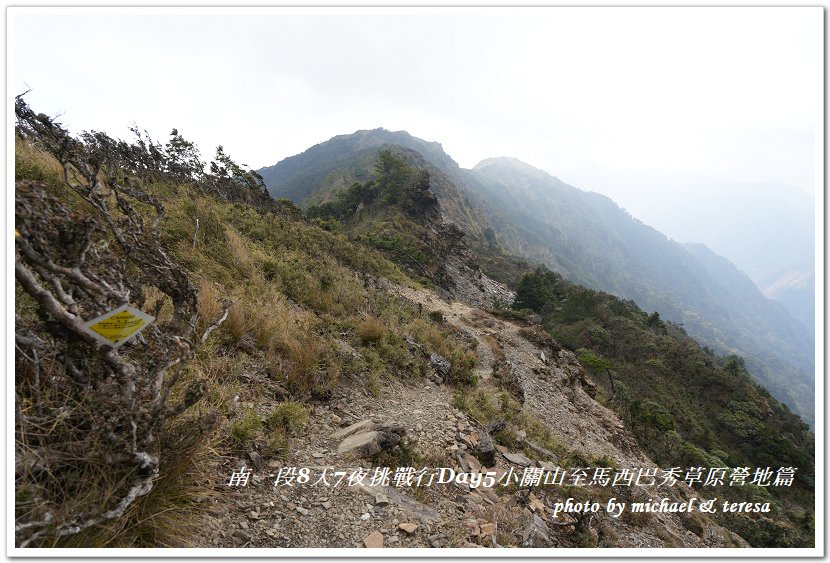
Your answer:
<point x="326" y="516"/>
<point x="314" y="515"/>
<point x="551" y="386"/>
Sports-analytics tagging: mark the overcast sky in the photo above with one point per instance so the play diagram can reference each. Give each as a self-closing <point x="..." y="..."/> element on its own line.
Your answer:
<point x="619" y="101"/>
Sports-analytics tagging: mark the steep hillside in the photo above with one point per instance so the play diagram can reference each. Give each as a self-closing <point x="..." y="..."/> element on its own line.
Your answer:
<point x="305" y="349"/>
<point x="685" y="405"/>
<point x="506" y="205"/>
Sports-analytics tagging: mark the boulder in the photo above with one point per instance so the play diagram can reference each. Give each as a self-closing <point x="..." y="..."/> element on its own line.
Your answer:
<point x="496" y="426"/>
<point x="537" y="506"/>
<point x="363" y="444"/>
<point x="408" y="527"/>
<point x="536" y="533"/>
<point x="518" y="459"/>
<point x="368" y="443"/>
<point x="373" y="540"/>
<point x="403" y="502"/>
<point x="469" y="463"/>
<point x="485" y="452"/>
<point x="280" y="392"/>
<point x="589" y="386"/>
<point x="353" y="429"/>
<point x="256" y="460"/>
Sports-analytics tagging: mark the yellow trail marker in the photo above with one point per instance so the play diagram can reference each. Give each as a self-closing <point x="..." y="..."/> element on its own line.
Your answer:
<point x="118" y="326"/>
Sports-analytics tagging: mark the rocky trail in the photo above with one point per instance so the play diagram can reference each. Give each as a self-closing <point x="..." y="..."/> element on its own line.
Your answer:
<point x="346" y="430"/>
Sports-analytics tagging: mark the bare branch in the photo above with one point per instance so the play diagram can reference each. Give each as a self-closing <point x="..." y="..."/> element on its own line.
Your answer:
<point x="216" y="324"/>
<point x="195" y="232"/>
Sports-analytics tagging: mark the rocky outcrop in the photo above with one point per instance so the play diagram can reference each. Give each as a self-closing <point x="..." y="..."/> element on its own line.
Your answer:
<point x="441" y="365"/>
<point x="485" y="451"/>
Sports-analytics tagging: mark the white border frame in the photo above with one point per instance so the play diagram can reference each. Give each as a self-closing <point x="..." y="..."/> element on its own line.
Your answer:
<point x="290" y="553"/>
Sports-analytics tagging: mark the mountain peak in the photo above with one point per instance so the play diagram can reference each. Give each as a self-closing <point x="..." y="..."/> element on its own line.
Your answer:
<point x="381" y="135"/>
<point x="500" y="160"/>
<point x="353" y="154"/>
<point x="510" y="165"/>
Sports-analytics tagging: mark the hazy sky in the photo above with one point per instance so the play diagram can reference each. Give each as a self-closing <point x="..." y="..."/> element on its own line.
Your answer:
<point x="617" y="100"/>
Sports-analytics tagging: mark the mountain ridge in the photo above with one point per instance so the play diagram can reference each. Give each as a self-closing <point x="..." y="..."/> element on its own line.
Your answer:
<point x="584" y="235"/>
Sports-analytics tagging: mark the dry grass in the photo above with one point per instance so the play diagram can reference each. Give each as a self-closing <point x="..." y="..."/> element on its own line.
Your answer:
<point x="156" y="299"/>
<point x="373" y="384"/>
<point x="161" y="518"/>
<point x="219" y="371"/>
<point x="243" y="257"/>
<point x="237" y="324"/>
<point x="370" y="330"/>
<point x="171" y="513"/>
<point x="300" y="361"/>
<point x="33" y="164"/>
<point x="428" y="335"/>
<point x="487" y="404"/>
<point x="293" y="351"/>
<point x="304" y="355"/>
<point x="510" y="523"/>
<point x="210" y="305"/>
<point x="275" y="319"/>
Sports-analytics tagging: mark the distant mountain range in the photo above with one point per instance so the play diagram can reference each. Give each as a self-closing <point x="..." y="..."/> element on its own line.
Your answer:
<point x="766" y="229"/>
<point x="587" y="238"/>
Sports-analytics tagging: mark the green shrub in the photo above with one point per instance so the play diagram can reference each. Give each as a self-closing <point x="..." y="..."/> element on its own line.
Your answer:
<point x="244" y="429"/>
<point x="289" y="416"/>
<point x="436" y="316"/>
<point x="463" y="362"/>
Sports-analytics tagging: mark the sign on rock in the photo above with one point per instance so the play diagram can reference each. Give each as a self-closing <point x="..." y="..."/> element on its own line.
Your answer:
<point x="118" y="326"/>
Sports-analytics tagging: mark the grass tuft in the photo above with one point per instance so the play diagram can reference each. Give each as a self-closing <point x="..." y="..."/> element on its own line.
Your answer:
<point x="289" y="417"/>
